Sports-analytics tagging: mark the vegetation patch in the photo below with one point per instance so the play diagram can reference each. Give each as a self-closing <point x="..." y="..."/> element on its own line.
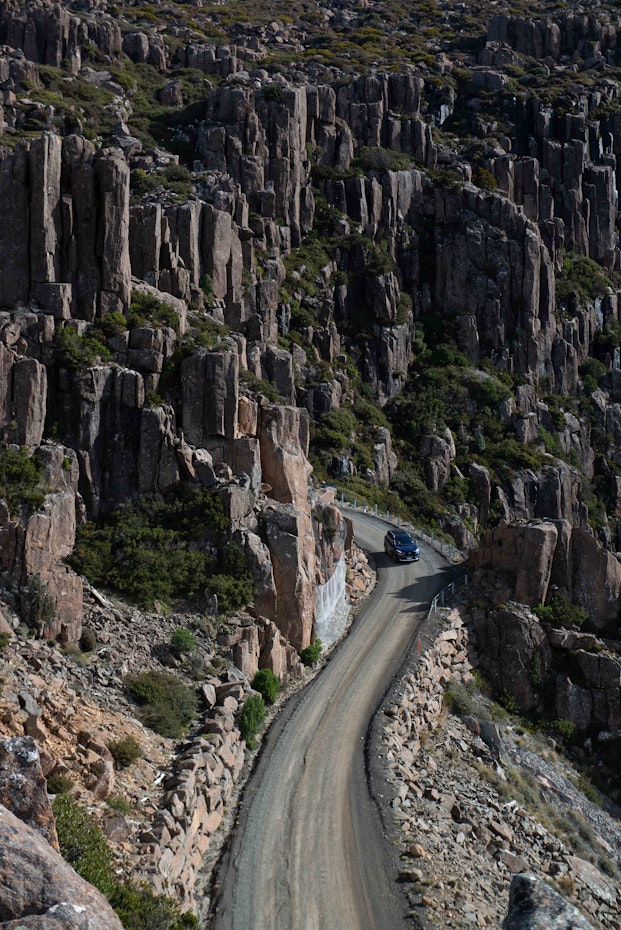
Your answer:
<point x="583" y="278"/>
<point x="165" y="550"/>
<point x="78" y="352"/>
<point x="145" y="309"/>
<point x="167" y="704"/>
<point x="182" y="641"/>
<point x="267" y="684"/>
<point x="310" y="654"/>
<point x="125" y="751"/>
<point x="20" y="480"/>
<point x="84" y="847"/>
<point x="560" y="611"/>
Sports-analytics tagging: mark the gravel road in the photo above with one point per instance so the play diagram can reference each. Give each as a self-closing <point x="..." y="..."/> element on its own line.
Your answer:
<point x="308" y="851"/>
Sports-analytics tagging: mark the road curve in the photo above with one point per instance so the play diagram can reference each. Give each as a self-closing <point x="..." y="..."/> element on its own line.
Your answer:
<point x="307" y="852"/>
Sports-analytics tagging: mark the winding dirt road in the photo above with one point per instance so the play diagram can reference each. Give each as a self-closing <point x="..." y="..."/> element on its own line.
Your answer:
<point x="308" y="852"/>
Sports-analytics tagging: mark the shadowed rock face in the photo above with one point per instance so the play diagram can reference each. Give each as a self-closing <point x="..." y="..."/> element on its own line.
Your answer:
<point x="533" y="905"/>
<point x="23" y="789"/>
<point x="38" y="889"/>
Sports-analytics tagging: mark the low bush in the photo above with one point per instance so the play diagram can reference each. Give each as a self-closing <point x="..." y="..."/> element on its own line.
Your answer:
<point x="460" y="698"/>
<point x="42" y="606"/>
<point x="565" y="730"/>
<point x="5" y="639"/>
<point x="154" y="550"/>
<point x="83" y="845"/>
<point x="167" y="703"/>
<point x="582" y="277"/>
<point x="252" y="717"/>
<point x="118" y="803"/>
<point x="146" y="309"/>
<point x="267" y="684"/>
<point x="81" y="352"/>
<point x="378" y="159"/>
<point x="88" y="639"/>
<point x="182" y="641"/>
<point x="561" y="612"/>
<point x="125" y="751"/>
<point x="232" y="593"/>
<point x="140" y="909"/>
<point x="57" y="783"/>
<point x="310" y="655"/>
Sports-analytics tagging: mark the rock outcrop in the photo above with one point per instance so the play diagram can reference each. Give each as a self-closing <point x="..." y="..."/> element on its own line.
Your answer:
<point x="539" y="557"/>
<point x="534" y="904"/>
<point x="36" y="878"/>
<point x="39" y="889"/>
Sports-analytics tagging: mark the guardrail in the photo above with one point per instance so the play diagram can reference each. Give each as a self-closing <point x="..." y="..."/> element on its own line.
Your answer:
<point x="441" y="597"/>
<point x="359" y="504"/>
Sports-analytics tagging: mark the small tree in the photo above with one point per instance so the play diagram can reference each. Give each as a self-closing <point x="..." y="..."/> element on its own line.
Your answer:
<point x="267" y="684"/>
<point x="251" y="720"/>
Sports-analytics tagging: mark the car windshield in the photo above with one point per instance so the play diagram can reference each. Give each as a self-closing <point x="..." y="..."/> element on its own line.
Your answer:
<point x="404" y="539"/>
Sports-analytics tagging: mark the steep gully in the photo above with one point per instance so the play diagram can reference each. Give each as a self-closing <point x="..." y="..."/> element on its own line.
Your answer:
<point x="308" y="850"/>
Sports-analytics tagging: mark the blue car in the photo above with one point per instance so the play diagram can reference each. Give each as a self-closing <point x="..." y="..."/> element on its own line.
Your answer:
<point x="401" y="547"/>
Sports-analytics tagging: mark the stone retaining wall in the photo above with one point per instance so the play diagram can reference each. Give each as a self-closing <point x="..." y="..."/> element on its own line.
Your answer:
<point x="197" y="792"/>
<point x="445" y="653"/>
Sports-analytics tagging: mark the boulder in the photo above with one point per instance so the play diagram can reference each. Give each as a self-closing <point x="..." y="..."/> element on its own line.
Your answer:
<point x="23" y="789"/>
<point x="39" y="889"/>
<point x="535" y="905"/>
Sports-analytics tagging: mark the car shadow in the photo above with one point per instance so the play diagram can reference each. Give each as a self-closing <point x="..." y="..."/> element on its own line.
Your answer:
<point x="443" y="577"/>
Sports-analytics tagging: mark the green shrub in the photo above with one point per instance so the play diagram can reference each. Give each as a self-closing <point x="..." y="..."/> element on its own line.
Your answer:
<point x="484" y="179"/>
<point x="584" y="278"/>
<point x="125" y="751"/>
<point x="140" y="909"/>
<point x="267" y="684"/>
<point x="88" y="639"/>
<point x="561" y="612"/>
<point x="310" y="655"/>
<point x="252" y="717"/>
<point x="153" y="550"/>
<point x="379" y="159"/>
<point x="20" y="480"/>
<point x="58" y="783"/>
<point x="42" y="607"/>
<point x="232" y="593"/>
<point x="118" y="803"/>
<point x="167" y="703"/>
<point x="564" y="729"/>
<point x="5" y="639"/>
<point x="146" y="309"/>
<point x="460" y="698"/>
<point x="83" y="845"/>
<point x="182" y="641"/>
<point x="112" y="324"/>
<point x="81" y="352"/>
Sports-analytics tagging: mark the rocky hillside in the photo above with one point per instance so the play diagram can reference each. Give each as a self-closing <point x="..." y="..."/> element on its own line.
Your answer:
<point x="244" y="250"/>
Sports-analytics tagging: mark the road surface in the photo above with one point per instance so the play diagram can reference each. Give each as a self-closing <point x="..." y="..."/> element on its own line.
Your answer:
<point x="308" y="852"/>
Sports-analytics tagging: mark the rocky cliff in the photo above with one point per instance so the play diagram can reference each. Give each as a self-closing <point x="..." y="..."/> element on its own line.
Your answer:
<point x="239" y="255"/>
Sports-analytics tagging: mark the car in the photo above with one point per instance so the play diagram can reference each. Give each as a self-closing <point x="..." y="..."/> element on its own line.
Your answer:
<point x="401" y="547"/>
